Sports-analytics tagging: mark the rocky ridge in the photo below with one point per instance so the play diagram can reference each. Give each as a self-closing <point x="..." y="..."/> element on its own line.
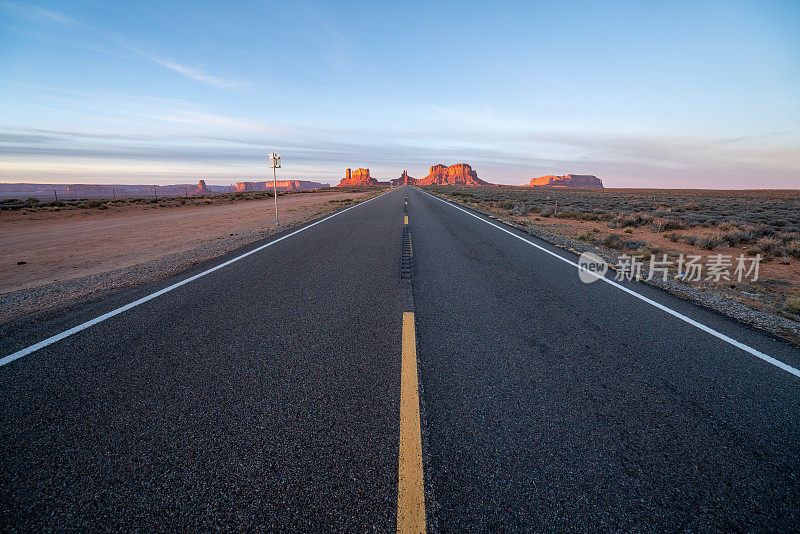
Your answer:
<point x="568" y="180"/>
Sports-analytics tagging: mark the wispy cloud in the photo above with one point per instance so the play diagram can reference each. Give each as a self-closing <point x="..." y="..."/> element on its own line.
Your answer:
<point x="42" y="15"/>
<point x="36" y="13"/>
<point x="194" y="73"/>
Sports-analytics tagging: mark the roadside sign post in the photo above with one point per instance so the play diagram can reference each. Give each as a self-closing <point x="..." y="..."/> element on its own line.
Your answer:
<point x="275" y="163"/>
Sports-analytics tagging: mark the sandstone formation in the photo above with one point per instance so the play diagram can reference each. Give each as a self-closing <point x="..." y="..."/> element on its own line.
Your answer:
<point x="458" y="174"/>
<point x="568" y="180"/>
<point x="404" y="179"/>
<point x="358" y="177"/>
<point x="202" y="189"/>
<point x="282" y="185"/>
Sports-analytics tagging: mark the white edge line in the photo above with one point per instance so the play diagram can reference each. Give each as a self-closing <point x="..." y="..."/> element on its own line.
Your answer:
<point x="83" y="326"/>
<point x="682" y="317"/>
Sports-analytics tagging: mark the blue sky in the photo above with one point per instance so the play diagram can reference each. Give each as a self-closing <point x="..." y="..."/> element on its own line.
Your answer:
<point x="642" y="94"/>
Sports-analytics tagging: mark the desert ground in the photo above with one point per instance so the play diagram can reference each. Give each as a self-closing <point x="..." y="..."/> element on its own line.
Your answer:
<point x="55" y="253"/>
<point x="647" y="222"/>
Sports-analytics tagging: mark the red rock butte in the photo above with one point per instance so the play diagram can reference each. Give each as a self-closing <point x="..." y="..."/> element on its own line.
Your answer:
<point x="568" y="180"/>
<point x="358" y="177"/>
<point x="458" y="174"/>
<point x="202" y="189"/>
<point x="405" y="179"/>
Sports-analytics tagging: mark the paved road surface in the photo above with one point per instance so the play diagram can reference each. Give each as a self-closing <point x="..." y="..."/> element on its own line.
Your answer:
<point x="267" y="395"/>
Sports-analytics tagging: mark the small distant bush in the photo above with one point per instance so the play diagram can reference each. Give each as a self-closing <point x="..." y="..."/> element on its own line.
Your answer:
<point x="630" y="219"/>
<point x="709" y="241"/>
<point x="633" y="244"/>
<point x="568" y="215"/>
<point x="754" y="251"/>
<point x="735" y="237"/>
<point x="792" y="249"/>
<point x="94" y="202"/>
<point x="628" y="231"/>
<point x="672" y="236"/>
<point x="643" y="252"/>
<point x="793" y="305"/>
<point x="661" y="224"/>
<point x="769" y="243"/>
<point x="612" y="241"/>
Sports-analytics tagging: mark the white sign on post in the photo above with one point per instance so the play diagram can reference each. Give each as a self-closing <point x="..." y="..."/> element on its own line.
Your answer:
<point x="275" y="163"/>
<point x="274" y="160"/>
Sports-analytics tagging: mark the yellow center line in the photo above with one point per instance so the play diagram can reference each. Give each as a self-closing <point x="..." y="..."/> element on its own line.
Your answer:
<point x="411" y="488"/>
<point x="406" y="220"/>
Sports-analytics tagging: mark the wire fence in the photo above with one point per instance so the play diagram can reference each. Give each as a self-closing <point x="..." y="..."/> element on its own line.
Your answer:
<point x="56" y="195"/>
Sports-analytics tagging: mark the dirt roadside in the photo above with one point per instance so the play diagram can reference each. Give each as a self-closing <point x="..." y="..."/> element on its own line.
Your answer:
<point x="55" y="258"/>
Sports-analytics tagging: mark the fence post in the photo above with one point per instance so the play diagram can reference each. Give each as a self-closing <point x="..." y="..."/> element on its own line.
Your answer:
<point x="55" y="194"/>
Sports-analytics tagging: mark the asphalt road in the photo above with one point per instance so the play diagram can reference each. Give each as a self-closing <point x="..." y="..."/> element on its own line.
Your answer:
<point x="266" y="395"/>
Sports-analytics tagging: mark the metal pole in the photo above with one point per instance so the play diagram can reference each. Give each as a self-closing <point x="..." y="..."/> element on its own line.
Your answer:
<point x="275" y="192"/>
<point x="56" y="194"/>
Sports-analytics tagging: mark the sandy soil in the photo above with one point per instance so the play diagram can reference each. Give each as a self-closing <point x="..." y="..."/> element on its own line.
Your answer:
<point x="766" y="294"/>
<point x="62" y="245"/>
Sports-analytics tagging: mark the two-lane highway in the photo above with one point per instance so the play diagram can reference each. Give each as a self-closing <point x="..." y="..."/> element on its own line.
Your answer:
<point x="279" y="392"/>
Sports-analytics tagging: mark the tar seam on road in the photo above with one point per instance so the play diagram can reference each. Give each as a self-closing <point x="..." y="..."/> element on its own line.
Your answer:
<point x="411" y="487"/>
<point x="406" y="255"/>
<point x="757" y="353"/>
<point x="83" y="326"/>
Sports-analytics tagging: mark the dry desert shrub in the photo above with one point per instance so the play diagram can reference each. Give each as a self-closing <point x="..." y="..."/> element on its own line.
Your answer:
<point x="624" y="220"/>
<point x="769" y="243"/>
<point x="612" y="241"/>
<point x="709" y="241"/>
<point x="793" y="305"/>
<point x="662" y="224"/>
<point x="792" y="249"/>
